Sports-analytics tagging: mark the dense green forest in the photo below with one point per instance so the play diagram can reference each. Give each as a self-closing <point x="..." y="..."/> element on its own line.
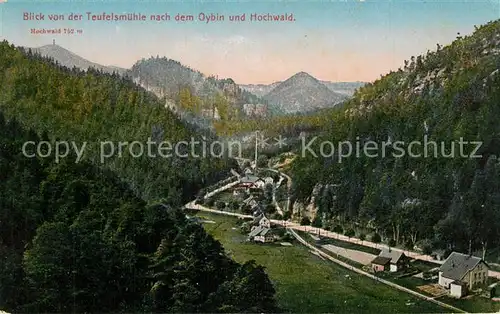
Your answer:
<point x="75" y="238"/>
<point x="92" y="237"/>
<point x="286" y="125"/>
<point x="450" y="203"/>
<point x="90" y="106"/>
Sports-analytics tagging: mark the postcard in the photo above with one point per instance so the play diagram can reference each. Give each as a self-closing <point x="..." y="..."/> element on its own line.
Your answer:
<point x="251" y="156"/>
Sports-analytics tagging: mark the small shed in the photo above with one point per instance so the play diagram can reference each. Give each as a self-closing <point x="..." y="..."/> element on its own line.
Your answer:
<point x="398" y="259"/>
<point x="458" y="289"/>
<point x="380" y="263"/>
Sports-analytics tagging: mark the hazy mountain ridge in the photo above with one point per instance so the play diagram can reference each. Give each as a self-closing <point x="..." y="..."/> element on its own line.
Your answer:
<point x="259" y="89"/>
<point x="167" y="78"/>
<point x="347" y="88"/>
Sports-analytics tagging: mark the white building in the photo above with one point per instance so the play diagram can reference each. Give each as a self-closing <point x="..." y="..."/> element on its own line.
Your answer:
<point x="462" y="272"/>
<point x="268" y="180"/>
<point x="264" y="222"/>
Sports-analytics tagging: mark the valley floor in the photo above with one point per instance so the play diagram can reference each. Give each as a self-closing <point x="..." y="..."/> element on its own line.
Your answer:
<point x="307" y="284"/>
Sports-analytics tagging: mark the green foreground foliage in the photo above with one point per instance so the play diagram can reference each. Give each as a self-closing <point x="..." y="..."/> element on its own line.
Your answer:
<point x="75" y="238"/>
<point x="86" y="237"/>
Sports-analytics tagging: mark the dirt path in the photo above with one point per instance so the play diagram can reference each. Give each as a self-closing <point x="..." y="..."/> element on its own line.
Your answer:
<point x="275" y="202"/>
<point x="357" y="256"/>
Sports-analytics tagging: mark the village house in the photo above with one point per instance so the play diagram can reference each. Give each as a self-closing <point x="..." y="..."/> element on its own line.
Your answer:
<point x="250" y="181"/>
<point x="265" y="222"/>
<point x="251" y="184"/>
<point x="262" y="232"/>
<point x="462" y="272"/>
<point x="266" y="235"/>
<point x="253" y="206"/>
<point x="261" y="220"/>
<point x="391" y="260"/>
<point x="255" y="191"/>
<point x="250" y="201"/>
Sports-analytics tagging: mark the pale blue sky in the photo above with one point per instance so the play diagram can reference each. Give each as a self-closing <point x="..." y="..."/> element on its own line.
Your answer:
<point x="333" y="40"/>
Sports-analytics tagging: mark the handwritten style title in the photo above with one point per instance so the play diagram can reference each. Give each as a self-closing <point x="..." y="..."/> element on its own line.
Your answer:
<point x="201" y="17"/>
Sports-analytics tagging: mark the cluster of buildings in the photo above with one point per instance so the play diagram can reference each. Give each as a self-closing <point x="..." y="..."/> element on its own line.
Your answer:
<point x="250" y="184"/>
<point x="459" y="274"/>
<point x="261" y="229"/>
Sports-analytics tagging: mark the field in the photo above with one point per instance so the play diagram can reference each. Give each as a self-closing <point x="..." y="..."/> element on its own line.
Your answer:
<point x="225" y="196"/>
<point x="307" y="284"/>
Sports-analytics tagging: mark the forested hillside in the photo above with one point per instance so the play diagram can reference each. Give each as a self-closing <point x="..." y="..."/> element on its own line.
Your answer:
<point x="68" y="59"/>
<point x="75" y="238"/>
<point x="191" y="90"/>
<point x="445" y="202"/>
<point x="91" y="106"/>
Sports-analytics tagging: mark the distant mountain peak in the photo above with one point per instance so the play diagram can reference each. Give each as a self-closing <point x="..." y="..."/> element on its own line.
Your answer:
<point x="302" y="93"/>
<point x="53" y="48"/>
<point x="69" y="59"/>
